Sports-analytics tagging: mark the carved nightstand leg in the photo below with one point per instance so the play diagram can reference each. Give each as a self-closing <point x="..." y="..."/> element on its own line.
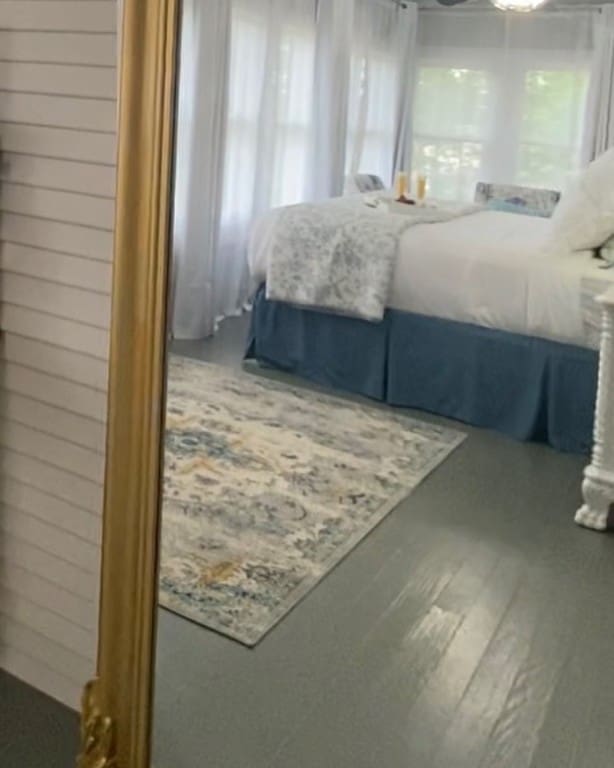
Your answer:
<point x="599" y="501"/>
<point x="598" y="488"/>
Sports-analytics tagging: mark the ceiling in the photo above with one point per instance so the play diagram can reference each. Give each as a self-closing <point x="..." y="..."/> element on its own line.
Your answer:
<point x="478" y="3"/>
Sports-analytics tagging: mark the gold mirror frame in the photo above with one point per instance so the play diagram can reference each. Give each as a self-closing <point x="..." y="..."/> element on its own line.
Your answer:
<point x="117" y="706"/>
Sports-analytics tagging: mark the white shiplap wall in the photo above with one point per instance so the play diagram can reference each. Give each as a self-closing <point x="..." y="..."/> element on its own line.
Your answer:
<point x="57" y="176"/>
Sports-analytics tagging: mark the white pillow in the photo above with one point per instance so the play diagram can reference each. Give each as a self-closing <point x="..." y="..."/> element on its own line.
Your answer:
<point x="584" y="219"/>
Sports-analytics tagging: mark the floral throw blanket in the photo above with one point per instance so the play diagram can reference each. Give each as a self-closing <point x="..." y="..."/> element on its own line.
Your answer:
<point x="340" y="256"/>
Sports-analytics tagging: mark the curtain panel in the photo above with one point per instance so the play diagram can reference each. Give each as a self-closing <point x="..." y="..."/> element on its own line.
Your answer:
<point x="202" y="108"/>
<point x="278" y="101"/>
<point x="381" y="86"/>
<point x="599" y="132"/>
<point x="501" y="98"/>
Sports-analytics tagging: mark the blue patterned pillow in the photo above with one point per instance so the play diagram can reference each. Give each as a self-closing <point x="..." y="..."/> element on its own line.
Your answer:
<point x="516" y="206"/>
<point x="543" y="200"/>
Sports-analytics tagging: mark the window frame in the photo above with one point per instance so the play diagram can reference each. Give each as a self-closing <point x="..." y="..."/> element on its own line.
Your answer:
<point x="507" y="71"/>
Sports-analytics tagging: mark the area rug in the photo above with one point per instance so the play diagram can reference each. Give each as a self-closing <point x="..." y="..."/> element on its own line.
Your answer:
<point x="267" y="487"/>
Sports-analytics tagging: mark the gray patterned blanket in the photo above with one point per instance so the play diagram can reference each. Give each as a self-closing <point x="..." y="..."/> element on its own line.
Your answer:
<point x="340" y="256"/>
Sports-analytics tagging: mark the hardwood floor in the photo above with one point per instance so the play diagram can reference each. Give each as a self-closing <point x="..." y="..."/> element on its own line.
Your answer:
<point x="35" y="731"/>
<point x="472" y="629"/>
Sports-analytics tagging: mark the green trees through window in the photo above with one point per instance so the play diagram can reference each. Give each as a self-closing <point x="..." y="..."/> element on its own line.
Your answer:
<point x="523" y="127"/>
<point x="452" y="123"/>
<point x="551" y="127"/>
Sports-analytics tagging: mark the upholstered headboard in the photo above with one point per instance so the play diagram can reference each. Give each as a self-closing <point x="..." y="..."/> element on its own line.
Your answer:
<point x="543" y="200"/>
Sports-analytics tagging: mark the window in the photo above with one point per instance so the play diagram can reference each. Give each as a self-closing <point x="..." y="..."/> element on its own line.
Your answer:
<point x="452" y="126"/>
<point x="372" y="114"/>
<point x="551" y="127"/>
<point x="509" y="124"/>
<point x="379" y="67"/>
<point x="270" y="113"/>
<point x="245" y="83"/>
<point x="294" y="117"/>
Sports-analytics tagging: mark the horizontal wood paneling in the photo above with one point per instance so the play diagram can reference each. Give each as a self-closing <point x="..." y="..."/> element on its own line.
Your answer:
<point x="63" y="143"/>
<point x="58" y="47"/>
<point x="49" y="479"/>
<point x="54" y="299"/>
<point x="64" y="661"/>
<point x="51" y="204"/>
<point x="57" y="236"/>
<point x="47" y="623"/>
<point x="39" y="674"/>
<point x="63" y="363"/>
<point x="75" y="459"/>
<point x="58" y="111"/>
<point x="53" y="421"/>
<point x="56" y="267"/>
<point x="58" y="79"/>
<point x="66" y="334"/>
<point x="62" y="16"/>
<point x="80" y="556"/>
<point x="64" y="175"/>
<point x="62" y="579"/>
<point x="50" y="509"/>
<point x="73" y="397"/>
<point x="57" y="185"/>
<point x="40" y="591"/>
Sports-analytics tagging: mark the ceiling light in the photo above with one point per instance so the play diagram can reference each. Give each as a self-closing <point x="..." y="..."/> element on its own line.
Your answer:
<point x="521" y="6"/>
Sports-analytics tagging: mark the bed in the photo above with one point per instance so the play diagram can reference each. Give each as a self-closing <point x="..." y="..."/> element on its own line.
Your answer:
<point x="484" y="323"/>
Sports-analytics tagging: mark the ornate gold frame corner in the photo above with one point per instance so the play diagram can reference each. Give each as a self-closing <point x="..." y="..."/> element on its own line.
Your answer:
<point x="117" y="706"/>
<point x="98" y="749"/>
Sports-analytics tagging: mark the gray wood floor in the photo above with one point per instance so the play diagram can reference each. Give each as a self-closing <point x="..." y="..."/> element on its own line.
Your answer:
<point x="472" y="629"/>
<point x="35" y="731"/>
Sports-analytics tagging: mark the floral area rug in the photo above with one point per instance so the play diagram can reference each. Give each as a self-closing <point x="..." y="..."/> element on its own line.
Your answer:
<point x="267" y="487"/>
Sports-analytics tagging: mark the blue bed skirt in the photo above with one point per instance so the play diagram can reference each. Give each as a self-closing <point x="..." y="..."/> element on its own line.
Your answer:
<point x="524" y="387"/>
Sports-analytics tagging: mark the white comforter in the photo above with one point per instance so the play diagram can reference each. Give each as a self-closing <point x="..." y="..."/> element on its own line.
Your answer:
<point x="493" y="269"/>
<point x="340" y="255"/>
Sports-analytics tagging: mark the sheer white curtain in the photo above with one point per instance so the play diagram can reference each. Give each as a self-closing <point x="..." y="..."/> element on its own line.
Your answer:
<point x="382" y="49"/>
<point x="244" y="127"/>
<point x="268" y="128"/>
<point x="500" y="98"/>
<point x="332" y="83"/>
<point x="363" y="88"/>
<point x="199" y="167"/>
<point x="599" y="134"/>
<point x="278" y="99"/>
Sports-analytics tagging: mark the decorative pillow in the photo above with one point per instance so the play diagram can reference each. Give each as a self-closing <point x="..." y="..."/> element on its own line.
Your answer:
<point x="359" y="183"/>
<point x="511" y="206"/>
<point x="543" y="200"/>
<point x="584" y="219"/>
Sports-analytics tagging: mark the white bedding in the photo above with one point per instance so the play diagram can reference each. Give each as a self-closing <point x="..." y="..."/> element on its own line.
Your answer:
<point x="489" y="268"/>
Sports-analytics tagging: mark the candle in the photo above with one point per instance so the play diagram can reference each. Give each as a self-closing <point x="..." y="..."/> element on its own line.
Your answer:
<point x="400" y="185"/>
